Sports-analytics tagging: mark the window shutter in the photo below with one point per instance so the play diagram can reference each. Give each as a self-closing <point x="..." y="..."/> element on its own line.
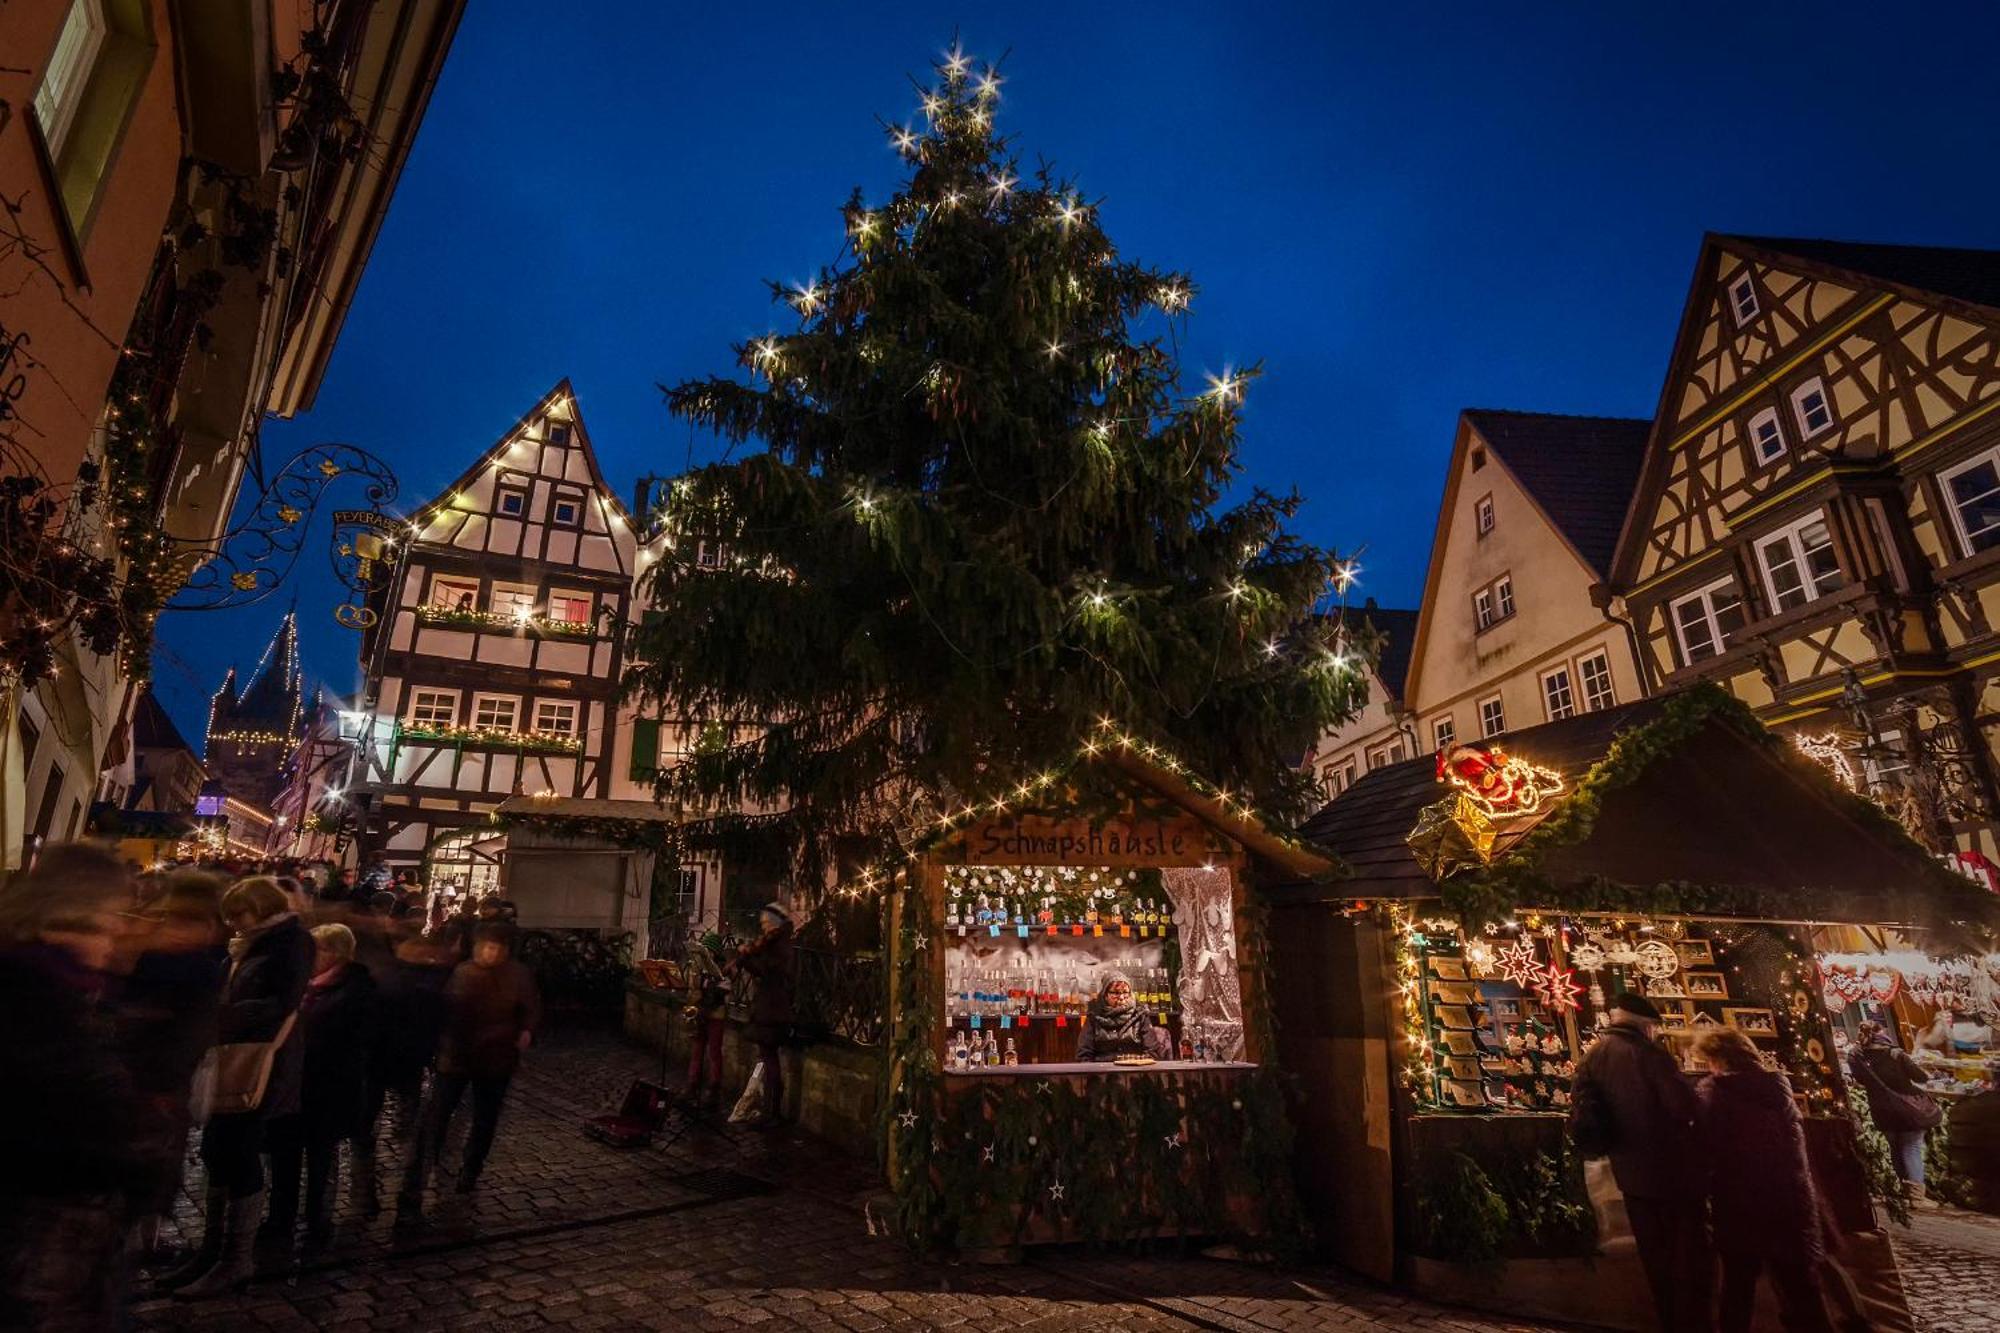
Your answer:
<point x="645" y="748"/>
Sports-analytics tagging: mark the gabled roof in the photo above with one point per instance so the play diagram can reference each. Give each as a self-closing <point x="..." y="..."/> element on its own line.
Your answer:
<point x="1580" y="470"/>
<point x="153" y="728"/>
<point x="1399" y="637"/>
<point x="1964" y="275"/>
<point x="561" y="393"/>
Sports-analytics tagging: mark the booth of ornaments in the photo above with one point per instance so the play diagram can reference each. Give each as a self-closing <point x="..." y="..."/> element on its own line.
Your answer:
<point x="1434" y="1005"/>
<point x="1081" y="1047"/>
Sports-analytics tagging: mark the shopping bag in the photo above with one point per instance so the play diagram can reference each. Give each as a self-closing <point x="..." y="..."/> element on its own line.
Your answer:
<point x="1606" y="1201"/>
<point x="233" y="1077"/>
<point x="752" y="1099"/>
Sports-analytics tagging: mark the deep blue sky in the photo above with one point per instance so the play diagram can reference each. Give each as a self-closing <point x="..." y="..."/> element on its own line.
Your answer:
<point x="1402" y="210"/>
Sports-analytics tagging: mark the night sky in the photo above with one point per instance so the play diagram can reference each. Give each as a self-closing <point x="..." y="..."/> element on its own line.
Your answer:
<point x="1401" y="212"/>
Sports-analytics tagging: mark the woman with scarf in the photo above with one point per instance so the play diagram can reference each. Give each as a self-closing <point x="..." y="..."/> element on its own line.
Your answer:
<point x="1116" y="1026"/>
<point x="271" y="958"/>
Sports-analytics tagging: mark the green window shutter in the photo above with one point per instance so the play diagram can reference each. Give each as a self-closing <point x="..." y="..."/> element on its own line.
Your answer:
<point x="645" y="748"/>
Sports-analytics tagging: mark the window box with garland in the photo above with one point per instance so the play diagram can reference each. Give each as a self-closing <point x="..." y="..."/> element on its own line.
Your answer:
<point x="449" y="617"/>
<point x="488" y="738"/>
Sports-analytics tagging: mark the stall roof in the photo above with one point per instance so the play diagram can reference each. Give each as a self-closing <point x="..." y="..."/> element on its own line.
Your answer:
<point x="1700" y="795"/>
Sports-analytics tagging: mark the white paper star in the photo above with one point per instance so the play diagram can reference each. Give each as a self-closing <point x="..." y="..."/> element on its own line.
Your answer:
<point x="1173" y="1140"/>
<point x="1518" y="963"/>
<point x="987" y="1152"/>
<point x="1056" y="1190"/>
<point x="909" y="1119"/>
<point x="1045" y="1086"/>
<point x="919" y="940"/>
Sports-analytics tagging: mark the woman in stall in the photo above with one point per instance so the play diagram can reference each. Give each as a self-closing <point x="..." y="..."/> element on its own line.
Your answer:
<point x="1116" y="1026"/>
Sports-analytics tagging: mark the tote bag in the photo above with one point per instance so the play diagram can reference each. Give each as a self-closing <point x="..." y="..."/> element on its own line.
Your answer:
<point x="234" y="1076"/>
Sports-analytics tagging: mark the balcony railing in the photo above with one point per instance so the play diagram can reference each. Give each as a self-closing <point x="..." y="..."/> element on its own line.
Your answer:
<point x="506" y="622"/>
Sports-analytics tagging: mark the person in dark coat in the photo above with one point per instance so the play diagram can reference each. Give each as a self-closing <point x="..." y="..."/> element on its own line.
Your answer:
<point x="270" y="964"/>
<point x="67" y="1106"/>
<point x="1973" y="1133"/>
<point x="1764" y="1210"/>
<point x="1894" y="1086"/>
<point x="1115" y="1026"/>
<point x="768" y="960"/>
<point x="494" y="1008"/>
<point x="167" y="1021"/>
<point x="1632" y="1104"/>
<point x="339" y="1019"/>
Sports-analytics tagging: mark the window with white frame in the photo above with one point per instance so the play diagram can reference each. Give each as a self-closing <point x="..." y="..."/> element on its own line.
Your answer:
<point x="1558" y="696"/>
<point x="1708" y="620"/>
<point x="566" y="511"/>
<point x="570" y="608"/>
<point x="1812" y="408"/>
<point x="1443" y="733"/>
<point x="555" y="717"/>
<point x="1799" y="564"/>
<point x="1743" y="299"/>
<point x="1482" y="514"/>
<point x="1974" y="489"/>
<point x="1381" y="756"/>
<point x="1503" y="595"/>
<point x="1594" y="674"/>
<point x="513" y="599"/>
<point x="433" y="708"/>
<point x="496" y="712"/>
<point x="1482" y="608"/>
<point x="513" y="501"/>
<point x="1336" y="778"/>
<point x="1767" y="437"/>
<point x="454" y="592"/>
<point x="64" y="81"/>
<point x="1493" y="603"/>
<point x="1492" y="716"/>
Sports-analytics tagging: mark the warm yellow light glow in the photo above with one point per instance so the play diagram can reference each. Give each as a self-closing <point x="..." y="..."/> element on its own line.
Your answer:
<point x="1001" y="185"/>
<point x="989" y="86"/>
<point x="905" y="139"/>
<point x="1224" y="388"/>
<point x="1054" y="349"/>
<point x="1070" y="213"/>
<point x="956" y="63"/>
<point x="808" y="298"/>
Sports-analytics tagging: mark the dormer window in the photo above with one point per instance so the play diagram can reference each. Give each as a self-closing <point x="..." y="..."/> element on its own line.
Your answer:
<point x="1810" y="406"/>
<point x="559" y="434"/>
<point x="1767" y="437"/>
<point x="1743" y="299"/>
<point x="566" y="512"/>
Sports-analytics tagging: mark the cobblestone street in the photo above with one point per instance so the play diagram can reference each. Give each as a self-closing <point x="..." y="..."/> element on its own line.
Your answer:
<point x="717" y="1232"/>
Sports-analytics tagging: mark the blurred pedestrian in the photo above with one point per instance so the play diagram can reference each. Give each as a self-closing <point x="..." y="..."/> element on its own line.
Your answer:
<point x="1893" y="1083"/>
<point x="707" y="1022"/>
<point x="1765" y="1213"/>
<point x="67" y="1107"/>
<point x="270" y="963"/>
<point x="339" y="1018"/>
<point x="167" y="1021"/>
<point x="768" y="960"/>
<point x="494" y="1008"/>
<point x="1632" y="1104"/>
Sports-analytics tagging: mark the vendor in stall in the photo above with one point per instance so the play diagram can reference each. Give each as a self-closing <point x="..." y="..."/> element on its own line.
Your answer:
<point x="1116" y="1026"/>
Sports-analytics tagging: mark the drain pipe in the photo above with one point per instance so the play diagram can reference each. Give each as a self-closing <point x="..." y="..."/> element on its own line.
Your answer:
<point x="1600" y="597"/>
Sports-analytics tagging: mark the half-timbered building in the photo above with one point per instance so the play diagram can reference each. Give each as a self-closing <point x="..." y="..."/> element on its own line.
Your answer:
<point x="1817" y="525"/>
<point x="493" y="663"/>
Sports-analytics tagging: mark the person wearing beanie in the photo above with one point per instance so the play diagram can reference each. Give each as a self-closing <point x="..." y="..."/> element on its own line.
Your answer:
<point x="1632" y="1104"/>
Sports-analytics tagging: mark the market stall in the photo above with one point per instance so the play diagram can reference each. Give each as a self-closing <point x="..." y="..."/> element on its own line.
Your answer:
<point x="1500" y="895"/>
<point x="1081" y="1044"/>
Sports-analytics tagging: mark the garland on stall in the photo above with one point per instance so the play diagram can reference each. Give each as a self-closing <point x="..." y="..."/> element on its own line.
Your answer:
<point x="1102" y="1158"/>
<point x="1466" y="1214"/>
<point x="1944" y="902"/>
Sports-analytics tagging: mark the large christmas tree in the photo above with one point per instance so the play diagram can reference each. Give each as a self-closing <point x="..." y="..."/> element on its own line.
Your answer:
<point x="986" y="514"/>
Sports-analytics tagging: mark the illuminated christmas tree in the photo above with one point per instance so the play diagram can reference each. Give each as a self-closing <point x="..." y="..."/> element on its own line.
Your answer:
<point x="986" y="514"/>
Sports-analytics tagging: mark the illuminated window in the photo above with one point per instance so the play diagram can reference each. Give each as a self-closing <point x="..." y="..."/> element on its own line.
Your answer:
<point x="1799" y="564"/>
<point x="454" y="592"/>
<point x="1767" y="437"/>
<point x="1743" y="299"/>
<point x="1558" y="698"/>
<point x="570" y="608"/>
<point x="1492" y="716"/>
<point x="433" y="708"/>
<point x="1708" y="620"/>
<point x="556" y="717"/>
<point x="497" y="712"/>
<point x="1594" y="674"/>
<point x="1810" y="406"/>
<point x="513" y="599"/>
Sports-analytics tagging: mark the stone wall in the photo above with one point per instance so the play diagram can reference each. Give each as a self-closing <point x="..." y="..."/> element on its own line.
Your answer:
<point x="831" y="1088"/>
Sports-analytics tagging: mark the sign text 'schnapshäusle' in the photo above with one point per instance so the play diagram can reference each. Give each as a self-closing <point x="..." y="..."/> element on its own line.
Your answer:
<point x="1038" y="841"/>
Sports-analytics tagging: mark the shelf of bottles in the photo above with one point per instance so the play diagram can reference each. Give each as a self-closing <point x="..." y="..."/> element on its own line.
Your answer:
<point x="1029" y="947"/>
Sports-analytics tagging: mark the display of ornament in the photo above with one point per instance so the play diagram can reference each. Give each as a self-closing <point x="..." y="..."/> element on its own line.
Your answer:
<point x="1833" y="996"/>
<point x="1656" y="959"/>
<point x="1558" y="988"/>
<point x="1451" y="835"/>
<point x="1519" y="963"/>
<point x="1588" y="956"/>
<point x="1479" y="957"/>
<point x="1501" y="785"/>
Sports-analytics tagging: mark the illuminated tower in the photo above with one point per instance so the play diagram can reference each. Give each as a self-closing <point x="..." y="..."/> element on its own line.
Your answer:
<point x="252" y="732"/>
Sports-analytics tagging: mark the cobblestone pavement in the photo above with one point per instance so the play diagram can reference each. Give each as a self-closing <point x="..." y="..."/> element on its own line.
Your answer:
<point x="720" y="1231"/>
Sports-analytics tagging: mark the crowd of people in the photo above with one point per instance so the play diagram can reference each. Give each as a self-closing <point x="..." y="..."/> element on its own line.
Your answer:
<point x="276" y="1015"/>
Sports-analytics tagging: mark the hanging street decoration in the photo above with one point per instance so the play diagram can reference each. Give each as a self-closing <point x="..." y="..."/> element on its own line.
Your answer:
<point x="1495" y="781"/>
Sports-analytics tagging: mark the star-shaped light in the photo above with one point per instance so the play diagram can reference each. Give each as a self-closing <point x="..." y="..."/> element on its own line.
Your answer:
<point x="919" y="940"/>
<point x="986" y="1153"/>
<point x="1045" y="1086"/>
<point x="904" y="138"/>
<point x="1517" y="962"/>
<point x="909" y="1119"/>
<point x="1558" y="988"/>
<point x="1000" y="185"/>
<point x="956" y="63"/>
<point x="1056" y="1190"/>
<point x="1173" y="1140"/>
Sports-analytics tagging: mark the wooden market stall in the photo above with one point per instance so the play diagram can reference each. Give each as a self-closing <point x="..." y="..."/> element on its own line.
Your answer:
<point x="1023" y="1106"/>
<point x="1433" y="1005"/>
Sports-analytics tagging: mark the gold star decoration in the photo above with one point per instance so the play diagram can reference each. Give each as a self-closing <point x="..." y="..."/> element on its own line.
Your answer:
<point x="245" y="581"/>
<point x="288" y="515"/>
<point x="329" y="468"/>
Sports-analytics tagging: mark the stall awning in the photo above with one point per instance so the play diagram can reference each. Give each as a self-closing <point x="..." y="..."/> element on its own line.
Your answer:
<point x="1684" y="799"/>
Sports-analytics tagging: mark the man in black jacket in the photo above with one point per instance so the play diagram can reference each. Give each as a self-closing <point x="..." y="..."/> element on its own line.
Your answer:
<point x="1633" y="1105"/>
